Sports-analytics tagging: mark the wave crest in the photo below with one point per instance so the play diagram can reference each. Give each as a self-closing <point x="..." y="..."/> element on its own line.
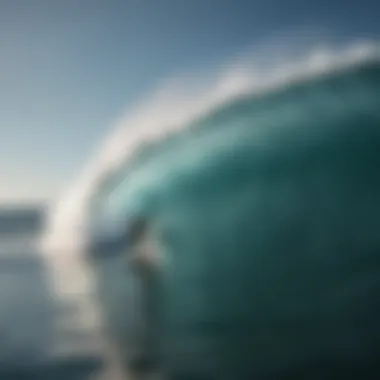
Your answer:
<point x="170" y="110"/>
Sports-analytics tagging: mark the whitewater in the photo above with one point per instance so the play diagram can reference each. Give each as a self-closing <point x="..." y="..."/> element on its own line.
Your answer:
<point x="173" y="110"/>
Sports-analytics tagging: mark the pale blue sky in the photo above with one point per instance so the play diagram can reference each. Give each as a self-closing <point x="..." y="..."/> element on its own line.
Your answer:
<point x="69" y="68"/>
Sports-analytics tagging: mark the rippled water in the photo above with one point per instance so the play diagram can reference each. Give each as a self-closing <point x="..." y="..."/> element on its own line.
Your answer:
<point x="34" y="343"/>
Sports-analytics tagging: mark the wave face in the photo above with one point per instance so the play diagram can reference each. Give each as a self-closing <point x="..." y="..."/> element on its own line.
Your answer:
<point x="266" y="211"/>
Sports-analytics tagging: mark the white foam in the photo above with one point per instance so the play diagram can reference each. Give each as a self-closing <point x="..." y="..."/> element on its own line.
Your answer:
<point x="171" y="109"/>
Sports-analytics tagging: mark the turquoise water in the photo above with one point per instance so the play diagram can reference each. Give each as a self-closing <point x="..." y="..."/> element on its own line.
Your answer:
<point x="267" y="212"/>
<point x="243" y="136"/>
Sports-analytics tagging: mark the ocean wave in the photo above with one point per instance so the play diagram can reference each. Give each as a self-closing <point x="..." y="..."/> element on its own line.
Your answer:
<point x="176" y="108"/>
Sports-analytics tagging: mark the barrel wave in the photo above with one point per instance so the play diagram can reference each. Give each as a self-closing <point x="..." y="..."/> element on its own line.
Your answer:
<point x="266" y="212"/>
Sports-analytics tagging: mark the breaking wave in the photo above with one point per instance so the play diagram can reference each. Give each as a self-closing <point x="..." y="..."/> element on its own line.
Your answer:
<point x="174" y="110"/>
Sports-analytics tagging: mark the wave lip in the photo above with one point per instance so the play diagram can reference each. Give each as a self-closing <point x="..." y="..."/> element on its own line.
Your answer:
<point x="171" y="110"/>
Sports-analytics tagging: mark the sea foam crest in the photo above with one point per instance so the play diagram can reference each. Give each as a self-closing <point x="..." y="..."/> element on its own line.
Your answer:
<point x="171" y="109"/>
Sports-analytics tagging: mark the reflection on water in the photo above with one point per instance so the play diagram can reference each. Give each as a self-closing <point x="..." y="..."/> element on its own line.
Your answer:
<point x="41" y="336"/>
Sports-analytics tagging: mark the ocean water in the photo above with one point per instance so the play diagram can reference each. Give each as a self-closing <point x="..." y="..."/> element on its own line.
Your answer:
<point x="265" y="215"/>
<point x="31" y="339"/>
